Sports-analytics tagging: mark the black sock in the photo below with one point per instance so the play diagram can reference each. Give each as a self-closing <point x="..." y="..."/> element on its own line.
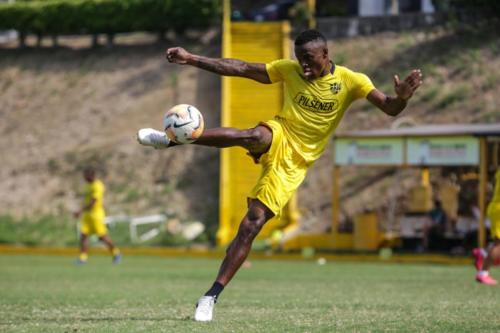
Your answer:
<point x="216" y="289"/>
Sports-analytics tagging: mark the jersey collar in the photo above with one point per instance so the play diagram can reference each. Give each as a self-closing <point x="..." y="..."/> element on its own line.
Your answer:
<point x="329" y="75"/>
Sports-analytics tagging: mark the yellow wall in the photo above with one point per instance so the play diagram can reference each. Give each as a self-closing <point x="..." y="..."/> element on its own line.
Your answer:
<point x="245" y="103"/>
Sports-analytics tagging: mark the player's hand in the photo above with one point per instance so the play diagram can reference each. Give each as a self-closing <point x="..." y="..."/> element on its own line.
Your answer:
<point x="77" y="214"/>
<point x="405" y="89"/>
<point x="177" y="55"/>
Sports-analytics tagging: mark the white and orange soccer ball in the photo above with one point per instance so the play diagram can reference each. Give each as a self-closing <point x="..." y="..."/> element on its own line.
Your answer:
<point x="183" y="123"/>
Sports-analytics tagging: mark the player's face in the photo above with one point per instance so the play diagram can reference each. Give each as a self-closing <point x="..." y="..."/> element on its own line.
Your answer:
<point x="313" y="58"/>
<point x="88" y="176"/>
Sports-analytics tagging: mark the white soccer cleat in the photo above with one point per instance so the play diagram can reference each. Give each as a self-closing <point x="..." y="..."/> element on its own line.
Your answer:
<point x="204" y="308"/>
<point x="153" y="138"/>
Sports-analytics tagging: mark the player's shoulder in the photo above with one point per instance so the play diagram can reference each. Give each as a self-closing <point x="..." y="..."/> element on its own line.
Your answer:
<point x="288" y="62"/>
<point x="345" y="71"/>
<point x="285" y="63"/>
<point x="348" y="75"/>
<point x="283" y="69"/>
<point x="98" y="183"/>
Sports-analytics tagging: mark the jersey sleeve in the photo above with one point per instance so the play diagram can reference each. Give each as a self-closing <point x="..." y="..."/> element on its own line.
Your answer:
<point x="362" y="85"/>
<point x="278" y="69"/>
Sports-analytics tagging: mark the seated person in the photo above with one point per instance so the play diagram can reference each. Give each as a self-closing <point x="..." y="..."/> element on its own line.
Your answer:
<point x="437" y="226"/>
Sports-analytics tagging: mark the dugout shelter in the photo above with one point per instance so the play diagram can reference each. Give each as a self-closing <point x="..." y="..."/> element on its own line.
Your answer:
<point x="433" y="146"/>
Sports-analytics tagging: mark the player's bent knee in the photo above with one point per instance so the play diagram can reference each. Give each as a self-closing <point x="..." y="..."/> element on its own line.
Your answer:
<point x="250" y="228"/>
<point x="258" y="214"/>
<point x="248" y="231"/>
<point x="253" y="136"/>
<point x="259" y="136"/>
<point x="256" y="135"/>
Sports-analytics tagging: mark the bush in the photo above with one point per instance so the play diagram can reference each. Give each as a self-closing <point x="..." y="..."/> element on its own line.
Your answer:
<point x="45" y="230"/>
<point x="55" y="17"/>
<point x="470" y="12"/>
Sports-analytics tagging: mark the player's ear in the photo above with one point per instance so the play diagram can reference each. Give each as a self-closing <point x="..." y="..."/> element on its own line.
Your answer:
<point x="325" y="52"/>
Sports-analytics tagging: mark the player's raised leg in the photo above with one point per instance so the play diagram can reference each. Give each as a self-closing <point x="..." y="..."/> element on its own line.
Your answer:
<point x="256" y="140"/>
<point x="257" y="215"/>
<point x="153" y="138"/>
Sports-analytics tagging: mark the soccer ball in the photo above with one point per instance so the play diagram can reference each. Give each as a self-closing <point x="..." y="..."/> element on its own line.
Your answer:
<point x="183" y="123"/>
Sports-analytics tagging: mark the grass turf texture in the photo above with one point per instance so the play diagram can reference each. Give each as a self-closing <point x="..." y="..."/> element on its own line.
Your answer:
<point x="157" y="294"/>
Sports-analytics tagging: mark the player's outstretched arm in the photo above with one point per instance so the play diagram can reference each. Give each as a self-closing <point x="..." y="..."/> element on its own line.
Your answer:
<point x="227" y="67"/>
<point x="404" y="91"/>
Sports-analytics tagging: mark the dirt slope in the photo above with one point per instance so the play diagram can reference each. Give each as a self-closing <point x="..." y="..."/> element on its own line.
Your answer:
<point x="64" y="108"/>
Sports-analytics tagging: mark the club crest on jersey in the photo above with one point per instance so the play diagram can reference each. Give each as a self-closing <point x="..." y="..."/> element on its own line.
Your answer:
<point x="335" y="87"/>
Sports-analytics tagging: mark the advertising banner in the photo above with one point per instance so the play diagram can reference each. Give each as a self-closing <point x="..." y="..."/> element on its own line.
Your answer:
<point x="443" y="151"/>
<point x="361" y="151"/>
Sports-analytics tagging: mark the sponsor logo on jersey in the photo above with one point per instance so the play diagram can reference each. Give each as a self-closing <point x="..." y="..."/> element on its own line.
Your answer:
<point x="313" y="103"/>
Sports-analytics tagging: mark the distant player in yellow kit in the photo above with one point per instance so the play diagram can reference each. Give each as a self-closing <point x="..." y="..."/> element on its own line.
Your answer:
<point x="485" y="259"/>
<point x="317" y="94"/>
<point x="92" y="217"/>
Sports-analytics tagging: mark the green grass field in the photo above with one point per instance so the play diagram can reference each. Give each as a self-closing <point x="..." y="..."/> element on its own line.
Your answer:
<point x="157" y="294"/>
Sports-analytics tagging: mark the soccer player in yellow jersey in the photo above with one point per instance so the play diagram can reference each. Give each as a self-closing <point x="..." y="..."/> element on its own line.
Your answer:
<point x="317" y="94"/>
<point x="485" y="259"/>
<point x="92" y="217"/>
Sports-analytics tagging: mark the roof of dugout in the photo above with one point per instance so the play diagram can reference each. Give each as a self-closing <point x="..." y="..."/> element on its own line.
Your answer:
<point x="429" y="130"/>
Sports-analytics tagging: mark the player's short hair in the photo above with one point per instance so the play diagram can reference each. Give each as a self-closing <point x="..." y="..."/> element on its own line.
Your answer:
<point x="307" y="36"/>
<point x="89" y="170"/>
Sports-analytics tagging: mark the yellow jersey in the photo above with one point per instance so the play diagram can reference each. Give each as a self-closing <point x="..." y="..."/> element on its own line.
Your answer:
<point x="313" y="109"/>
<point x="95" y="190"/>
<point x="496" y="194"/>
<point x="493" y="211"/>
